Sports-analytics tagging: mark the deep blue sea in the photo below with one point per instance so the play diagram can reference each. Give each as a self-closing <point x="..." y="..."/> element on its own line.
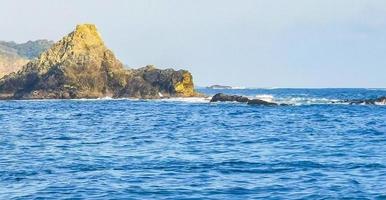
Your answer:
<point x="193" y="149"/>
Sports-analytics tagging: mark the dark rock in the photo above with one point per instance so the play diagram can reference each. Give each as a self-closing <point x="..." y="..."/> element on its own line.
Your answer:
<point x="261" y="102"/>
<point x="377" y="101"/>
<point x="220" y="97"/>
<point x="224" y="97"/>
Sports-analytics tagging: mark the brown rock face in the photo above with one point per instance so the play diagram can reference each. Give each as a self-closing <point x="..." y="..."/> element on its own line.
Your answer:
<point x="80" y="66"/>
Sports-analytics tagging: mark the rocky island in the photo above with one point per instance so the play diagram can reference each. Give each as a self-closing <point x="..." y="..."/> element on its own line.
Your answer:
<point x="81" y="66"/>
<point x="219" y="87"/>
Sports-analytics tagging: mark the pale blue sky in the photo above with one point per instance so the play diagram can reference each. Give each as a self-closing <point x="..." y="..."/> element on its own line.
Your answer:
<point x="255" y="43"/>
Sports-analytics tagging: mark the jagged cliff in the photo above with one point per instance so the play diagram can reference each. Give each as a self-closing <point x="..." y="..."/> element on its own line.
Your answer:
<point x="13" y="56"/>
<point x="81" y="66"/>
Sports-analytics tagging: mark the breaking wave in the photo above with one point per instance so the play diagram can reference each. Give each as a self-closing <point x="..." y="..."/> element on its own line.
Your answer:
<point x="298" y="100"/>
<point x="185" y="99"/>
<point x="265" y="97"/>
<point x="309" y="101"/>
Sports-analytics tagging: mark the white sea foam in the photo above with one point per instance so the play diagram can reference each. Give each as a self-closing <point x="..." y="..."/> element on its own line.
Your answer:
<point x="239" y="88"/>
<point x="105" y="98"/>
<point x="309" y="101"/>
<point x="376" y="89"/>
<point x="186" y="99"/>
<point x="297" y="100"/>
<point x="265" y="97"/>
<point x="381" y="103"/>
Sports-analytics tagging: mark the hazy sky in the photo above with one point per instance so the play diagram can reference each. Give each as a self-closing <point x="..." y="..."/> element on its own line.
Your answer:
<point x="256" y="43"/>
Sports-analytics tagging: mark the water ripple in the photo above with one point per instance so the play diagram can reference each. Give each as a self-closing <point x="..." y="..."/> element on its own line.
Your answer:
<point x="179" y="150"/>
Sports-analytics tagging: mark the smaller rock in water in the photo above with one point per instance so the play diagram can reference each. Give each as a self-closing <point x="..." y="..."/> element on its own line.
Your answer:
<point x="220" y="97"/>
<point x="377" y="101"/>
<point x="225" y="97"/>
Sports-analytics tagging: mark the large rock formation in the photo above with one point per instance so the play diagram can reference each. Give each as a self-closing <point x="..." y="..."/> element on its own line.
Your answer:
<point x="13" y="56"/>
<point x="80" y="66"/>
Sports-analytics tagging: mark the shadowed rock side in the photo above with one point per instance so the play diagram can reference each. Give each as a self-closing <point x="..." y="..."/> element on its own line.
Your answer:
<point x="149" y="82"/>
<point x="225" y="97"/>
<point x="80" y="66"/>
<point x="263" y="103"/>
<point x="220" y="97"/>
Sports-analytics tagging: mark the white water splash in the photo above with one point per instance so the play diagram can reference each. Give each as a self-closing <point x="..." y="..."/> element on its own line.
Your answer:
<point x="381" y="103"/>
<point x="297" y="100"/>
<point x="185" y="99"/>
<point x="265" y="97"/>
<point x="308" y="101"/>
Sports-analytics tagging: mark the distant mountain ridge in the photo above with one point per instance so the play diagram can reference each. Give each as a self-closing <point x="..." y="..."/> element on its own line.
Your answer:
<point x="30" y="49"/>
<point x="13" y="55"/>
<point x="219" y="87"/>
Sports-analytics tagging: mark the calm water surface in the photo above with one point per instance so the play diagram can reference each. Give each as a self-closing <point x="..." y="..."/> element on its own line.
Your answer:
<point x="132" y="149"/>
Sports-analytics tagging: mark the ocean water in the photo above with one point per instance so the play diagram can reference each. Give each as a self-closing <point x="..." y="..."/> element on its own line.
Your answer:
<point x="193" y="149"/>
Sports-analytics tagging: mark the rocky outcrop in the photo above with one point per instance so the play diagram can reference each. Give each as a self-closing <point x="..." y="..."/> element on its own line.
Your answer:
<point x="13" y="56"/>
<point x="150" y="82"/>
<point x="220" y="97"/>
<point x="231" y="98"/>
<point x="81" y="66"/>
<point x="377" y="101"/>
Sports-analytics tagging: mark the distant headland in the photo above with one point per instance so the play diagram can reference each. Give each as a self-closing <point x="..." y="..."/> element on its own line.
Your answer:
<point x="219" y="87"/>
<point x="13" y="56"/>
<point x="81" y="66"/>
